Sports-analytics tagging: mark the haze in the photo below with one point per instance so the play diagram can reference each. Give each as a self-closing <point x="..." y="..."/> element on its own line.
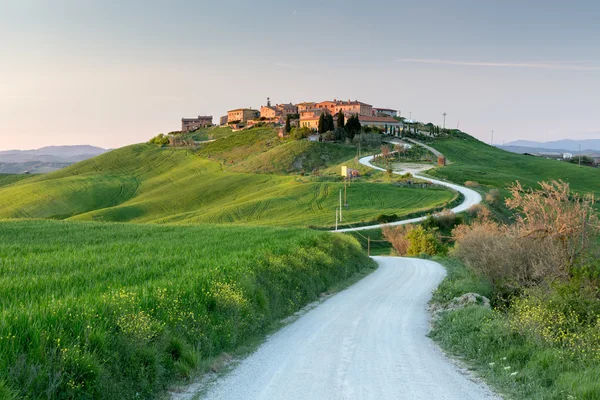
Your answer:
<point x="113" y="73"/>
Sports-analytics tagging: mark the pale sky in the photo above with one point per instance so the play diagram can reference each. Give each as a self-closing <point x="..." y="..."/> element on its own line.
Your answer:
<point x="111" y="73"/>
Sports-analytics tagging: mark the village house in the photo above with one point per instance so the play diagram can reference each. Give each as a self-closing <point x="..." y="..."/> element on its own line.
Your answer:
<point x="223" y="120"/>
<point x="193" y="124"/>
<point x="384" y="112"/>
<point x="310" y="118"/>
<point x="305" y="106"/>
<point x="241" y="115"/>
<point x="347" y="107"/>
<point x="280" y="111"/>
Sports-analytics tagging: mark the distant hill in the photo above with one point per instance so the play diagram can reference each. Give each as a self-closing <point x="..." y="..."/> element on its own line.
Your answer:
<point x="46" y="159"/>
<point x="52" y="154"/>
<point x="558" y="145"/>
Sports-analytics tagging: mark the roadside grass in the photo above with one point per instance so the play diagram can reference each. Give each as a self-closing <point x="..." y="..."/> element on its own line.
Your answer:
<point x="379" y="245"/>
<point x="145" y="183"/>
<point x="97" y="310"/>
<point x="517" y="365"/>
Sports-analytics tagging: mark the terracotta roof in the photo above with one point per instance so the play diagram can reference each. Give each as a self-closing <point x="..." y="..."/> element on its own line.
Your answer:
<point x="242" y="109"/>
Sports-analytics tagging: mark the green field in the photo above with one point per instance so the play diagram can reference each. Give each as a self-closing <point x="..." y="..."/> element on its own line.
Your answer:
<point x="472" y="160"/>
<point x="145" y="183"/>
<point x="117" y="311"/>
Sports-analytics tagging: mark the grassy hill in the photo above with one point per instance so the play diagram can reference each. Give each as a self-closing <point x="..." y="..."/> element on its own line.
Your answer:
<point x="117" y="311"/>
<point x="473" y="160"/>
<point x="8" y="179"/>
<point x="145" y="183"/>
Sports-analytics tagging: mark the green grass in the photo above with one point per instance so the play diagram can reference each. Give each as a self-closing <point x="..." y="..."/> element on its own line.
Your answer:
<point x="485" y="340"/>
<point x="94" y="310"/>
<point x="472" y="160"/>
<point x="9" y="179"/>
<point x="212" y="133"/>
<point x="145" y="183"/>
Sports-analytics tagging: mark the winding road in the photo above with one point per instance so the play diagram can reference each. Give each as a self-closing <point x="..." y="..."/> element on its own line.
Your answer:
<point x="471" y="197"/>
<point x="366" y="342"/>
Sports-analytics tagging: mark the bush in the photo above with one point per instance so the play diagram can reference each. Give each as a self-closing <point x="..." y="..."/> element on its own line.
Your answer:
<point x="493" y="197"/>
<point x="472" y="184"/>
<point x="160" y="140"/>
<point x="300" y="133"/>
<point x="387" y="218"/>
<point x="544" y="244"/>
<point x="444" y="221"/>
<point x="409" y="240"/>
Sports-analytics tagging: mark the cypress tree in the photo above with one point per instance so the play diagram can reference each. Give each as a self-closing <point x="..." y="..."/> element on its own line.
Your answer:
<point x="321" y="126"/>
<point x="288" y="124"/>
<point x="340" y="119"/>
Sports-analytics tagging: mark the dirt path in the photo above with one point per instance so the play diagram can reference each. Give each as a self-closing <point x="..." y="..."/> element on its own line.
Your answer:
<point x="367" y="342"/>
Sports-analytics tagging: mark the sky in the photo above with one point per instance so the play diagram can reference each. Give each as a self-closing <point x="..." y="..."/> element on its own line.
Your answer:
<point x="112" y="73"/>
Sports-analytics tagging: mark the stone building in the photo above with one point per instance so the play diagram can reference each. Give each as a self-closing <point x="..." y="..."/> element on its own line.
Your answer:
<point x="192" y="124"/>
<point x="384" y="112"/>
<point x="223" y="120"/>
<point x="307" y="105"/>
<point x="242" y="115"/>
<point x="347" y="107"/>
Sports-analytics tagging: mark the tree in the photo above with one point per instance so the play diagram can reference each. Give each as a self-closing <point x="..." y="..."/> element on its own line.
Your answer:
<point x="329" y="125"/>
<point x="340" y="119"/>
<point x="288" y="124"/>
<point x="386" y="129"/>
<point x="353" y="126"/>
<point x="321" y="126"/>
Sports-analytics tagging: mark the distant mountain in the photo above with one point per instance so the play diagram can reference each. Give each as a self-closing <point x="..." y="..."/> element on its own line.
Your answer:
<point x="51" y="154"/>
<point x="559" y="145"/>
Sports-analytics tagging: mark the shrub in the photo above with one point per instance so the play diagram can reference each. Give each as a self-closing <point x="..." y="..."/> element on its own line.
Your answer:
<point x="472" y="184"/>
<point x="409" y="240"/>
<point x="493" y="197"/>
<point x="160" y="140"/>
<point x="543" y="245"/>
<point x="387" y="218"/>
<point x="397" y="237"/>
<point x="300" y="133"/>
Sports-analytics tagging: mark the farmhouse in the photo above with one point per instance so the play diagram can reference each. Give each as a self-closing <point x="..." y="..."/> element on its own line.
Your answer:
<point x="242" y="115"/>
<point x="192" y="124"/>
<point x="223" y="120"/>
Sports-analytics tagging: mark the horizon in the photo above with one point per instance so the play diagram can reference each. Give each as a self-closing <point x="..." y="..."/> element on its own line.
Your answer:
<point x="107" y="75"/>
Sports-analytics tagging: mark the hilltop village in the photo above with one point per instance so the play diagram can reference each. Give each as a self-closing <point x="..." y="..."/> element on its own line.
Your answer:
<point x="304" y="115"/>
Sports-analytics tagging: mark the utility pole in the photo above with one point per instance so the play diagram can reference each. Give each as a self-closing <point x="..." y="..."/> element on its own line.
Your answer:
<point x="410" y="115"/>
<point x="346" y="191"/>
<point x="444" y="114"/>
<point x="336" y="218"/>
<point x="492" y="142"/>
<point x="340" y="205"/>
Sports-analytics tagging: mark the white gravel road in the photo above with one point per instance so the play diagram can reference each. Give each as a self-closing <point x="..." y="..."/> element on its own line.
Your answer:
<point x="367" y="342"/>
<point x="471" y="198"/>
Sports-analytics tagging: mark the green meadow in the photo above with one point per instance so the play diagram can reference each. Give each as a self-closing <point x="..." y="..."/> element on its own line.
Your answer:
<point x="146" y="183"/>
<point x="118" y="311"/>
<point x="473" y="160"/>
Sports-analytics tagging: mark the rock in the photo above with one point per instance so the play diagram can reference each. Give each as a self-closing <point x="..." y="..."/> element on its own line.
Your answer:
<point x="467" y="299"/>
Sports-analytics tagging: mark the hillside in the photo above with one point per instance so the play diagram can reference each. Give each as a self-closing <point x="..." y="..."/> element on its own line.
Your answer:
<point x="145" y="183"/>
<point x="472" y="160"/>
<point x="119" y="311"/>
